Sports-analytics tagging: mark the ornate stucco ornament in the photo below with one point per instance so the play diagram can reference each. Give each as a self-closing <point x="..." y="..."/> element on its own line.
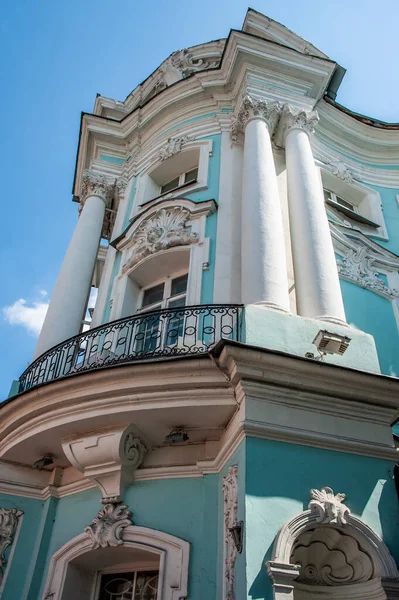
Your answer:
<point x="291" y="119"/>
<point x="328" y="508"/>
<point x="8" y="527"/>
<point x="230" y="497"/>
<point x="329" y="557"/>
<point x="172" y="146"/>
<point x="94" y="184"/>
<point x="357" y="266"/>
<point x="187" y="63"/>
<point x="160" y="231"/>
<point x="253" y="108"/>
<point x="339" y="169"/>
<point x="106" y="529"/>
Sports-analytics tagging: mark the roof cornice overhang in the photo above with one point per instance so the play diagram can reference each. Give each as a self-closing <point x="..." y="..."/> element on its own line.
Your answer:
<point x="245" y="56"/>
<point x="242" y="361"/>
<point x="355" y="137"/>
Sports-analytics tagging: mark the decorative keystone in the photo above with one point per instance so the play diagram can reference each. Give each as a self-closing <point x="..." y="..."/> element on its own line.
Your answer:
<point x="327" y="507"/>
<point x="106" y="529"/>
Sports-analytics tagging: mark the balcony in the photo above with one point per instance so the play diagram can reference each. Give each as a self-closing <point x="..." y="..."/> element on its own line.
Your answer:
<point x="169" y="333"/>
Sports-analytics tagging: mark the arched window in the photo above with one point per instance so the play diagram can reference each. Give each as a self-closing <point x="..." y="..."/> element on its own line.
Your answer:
<point x="147" y="565"/>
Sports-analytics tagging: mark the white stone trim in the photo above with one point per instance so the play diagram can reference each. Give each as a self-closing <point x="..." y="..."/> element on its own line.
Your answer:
<point x="283" y="573"/>
<point x="173" y="553"/>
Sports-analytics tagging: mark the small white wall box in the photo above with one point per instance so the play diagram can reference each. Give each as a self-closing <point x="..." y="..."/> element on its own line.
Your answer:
<point x="331" y="343"/>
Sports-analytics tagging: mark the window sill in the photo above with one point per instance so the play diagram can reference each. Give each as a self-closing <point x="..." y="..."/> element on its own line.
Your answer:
<point x="174" y="191"/>
<point x="352" y="214"/>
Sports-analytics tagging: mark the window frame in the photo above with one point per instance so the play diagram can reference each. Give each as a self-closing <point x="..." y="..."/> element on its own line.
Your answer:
<point x="367" y="215"/>
<point x="166" y="295"/>
<point x="132" y="568"/>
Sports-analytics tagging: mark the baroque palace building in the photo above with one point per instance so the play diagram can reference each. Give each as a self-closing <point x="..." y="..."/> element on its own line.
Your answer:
<point x="220" y="426"/>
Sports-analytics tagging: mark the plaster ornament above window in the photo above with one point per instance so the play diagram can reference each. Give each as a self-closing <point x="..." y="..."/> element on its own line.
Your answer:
<point x="357" y="266"/>
<point x="339" y="169"/>
<point x="253" y="108"/>
<point x="230" y="496"/>
<point x="106" y="529"/>
<point x="328" y="557"/>
<point x="185" y="62"/>
<point x="8" y="526"/>
<point x="160" y="231"/>
<point x="172" y="146"/>
<point x="96" y="185"/>
<point x="329" y="508"/>
<point x="292" y="119"/>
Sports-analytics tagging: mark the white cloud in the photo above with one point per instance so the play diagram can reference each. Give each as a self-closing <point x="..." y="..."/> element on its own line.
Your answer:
<point x="29" y="315"/>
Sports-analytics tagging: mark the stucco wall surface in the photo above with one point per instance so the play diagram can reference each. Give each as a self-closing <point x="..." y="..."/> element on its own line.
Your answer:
<point x="278" y="479"/>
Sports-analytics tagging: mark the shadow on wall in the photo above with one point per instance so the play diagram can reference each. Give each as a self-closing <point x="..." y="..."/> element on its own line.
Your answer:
<point x="279" y="478"/>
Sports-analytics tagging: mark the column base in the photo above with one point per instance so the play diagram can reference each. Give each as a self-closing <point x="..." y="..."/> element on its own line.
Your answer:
<point x="271" y="306"/>
<point x="328" y="319"/>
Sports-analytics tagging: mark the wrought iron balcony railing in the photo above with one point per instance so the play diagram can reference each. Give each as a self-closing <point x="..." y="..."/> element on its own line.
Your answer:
<point x="190" y="330"/>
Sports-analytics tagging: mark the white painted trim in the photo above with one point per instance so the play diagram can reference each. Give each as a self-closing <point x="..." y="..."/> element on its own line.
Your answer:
<point x="172" y="551"/>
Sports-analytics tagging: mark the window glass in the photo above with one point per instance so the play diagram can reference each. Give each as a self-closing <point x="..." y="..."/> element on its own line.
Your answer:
<point x="344" y="203"/>
<point x="153" y="295"/>
<point x="179" y="285"/>
<point x="170" y="185"/>
<point x="177" y="303"/>
<point x="141" y="585"/>
<point x="191" y="175"/>
<point x="146" y="586"/>
<point x="117" y="586"/>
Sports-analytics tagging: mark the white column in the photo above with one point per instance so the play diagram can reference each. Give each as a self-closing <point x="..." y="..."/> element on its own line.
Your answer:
<point x="263" y="263"/>
<point x="317" y="285"/>
<point x="227" y="285"/>
<point x="69" y="298"/>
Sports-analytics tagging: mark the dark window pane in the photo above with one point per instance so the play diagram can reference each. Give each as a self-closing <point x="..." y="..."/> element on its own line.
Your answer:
<point x="117" y="585"/>
<point x="146" y="586"/>
<point x="191" y="175"/>
<point x="170" y="185"/>
<point x="179" y="285"/>
<point x="153" y="295"/>
<point x="344" y="203"/>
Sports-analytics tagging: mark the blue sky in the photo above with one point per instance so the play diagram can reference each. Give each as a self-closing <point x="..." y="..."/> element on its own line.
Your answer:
<point x="57" y="55"/>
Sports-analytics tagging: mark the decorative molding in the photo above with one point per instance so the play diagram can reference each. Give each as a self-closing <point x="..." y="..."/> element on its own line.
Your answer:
<point x="292" y="119"/>
<point x="282" y="570"/>
<point x="187" y="64"/>
<point x="108" y="457"/>
<point x="172" y="554"/>
<point x="172" y="146"/>
<point x="106" y="529"/>
<point x="230" y="496"/>
<point x="164" y="229"/>
<point x="95" y="185"/>
<point x="327" y="507"/>
<point x="8" y="526"/>
<point x="331" y="558"/>
<point x="357" y="266"/>
<point x="339" y="169"/>
<point x="252" y="108"/>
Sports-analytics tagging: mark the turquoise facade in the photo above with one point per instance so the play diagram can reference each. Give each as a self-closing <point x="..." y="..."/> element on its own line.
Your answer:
<point x="292" y="471"/>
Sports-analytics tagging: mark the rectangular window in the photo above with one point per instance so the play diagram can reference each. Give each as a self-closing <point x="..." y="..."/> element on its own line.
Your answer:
<point x="170" y="185"/>
<point x="333" y="198"/>
<point x="179" y="285"/>
<point x="136" y="585"/>
<point x="153" y="295"/>
<point x="191" y="176"/>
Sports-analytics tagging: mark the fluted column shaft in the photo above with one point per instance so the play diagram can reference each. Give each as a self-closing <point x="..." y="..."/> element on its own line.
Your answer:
<point x="68" y="302"/>
<point x="317" y="285"/>
<point x="263" y="263"/>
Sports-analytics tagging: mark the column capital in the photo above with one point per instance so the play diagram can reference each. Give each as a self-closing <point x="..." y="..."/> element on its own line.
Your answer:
<point x="94" y="184"/>
<point x="304" y="120"/>
<point x="253" y="108"/>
